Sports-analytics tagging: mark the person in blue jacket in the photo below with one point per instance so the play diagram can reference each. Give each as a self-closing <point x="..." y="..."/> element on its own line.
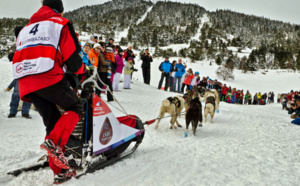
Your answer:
<point x="296" y="109"/>
<point x="85" y="54"/>
<point x="178" y="75"/>
<point x="165" y="68"/>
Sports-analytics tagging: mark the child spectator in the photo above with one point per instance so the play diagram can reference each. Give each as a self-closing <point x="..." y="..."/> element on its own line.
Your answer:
<point x="127" y="73"/>
<point x="119" y="70"/>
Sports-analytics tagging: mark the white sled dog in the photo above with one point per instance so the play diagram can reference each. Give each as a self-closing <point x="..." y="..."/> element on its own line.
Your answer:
<point x="172" y="106"/>
<point x="212" y="102"/>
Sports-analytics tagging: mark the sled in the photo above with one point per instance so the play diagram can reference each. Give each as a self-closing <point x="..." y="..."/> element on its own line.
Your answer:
<point x="99" y="138"/>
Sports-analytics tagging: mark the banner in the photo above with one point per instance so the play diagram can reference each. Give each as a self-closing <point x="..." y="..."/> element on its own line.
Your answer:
<point x="108" y="132"/>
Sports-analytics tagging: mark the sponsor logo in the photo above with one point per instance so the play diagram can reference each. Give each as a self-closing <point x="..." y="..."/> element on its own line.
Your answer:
<point x="106" y="132"/>
<point x="57" y="18"/>
<point x="19" y="68"/>
<point x="98" y="104"/>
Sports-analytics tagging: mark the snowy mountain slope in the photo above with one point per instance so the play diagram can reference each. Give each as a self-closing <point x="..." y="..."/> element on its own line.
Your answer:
<point x="246" y="145"/>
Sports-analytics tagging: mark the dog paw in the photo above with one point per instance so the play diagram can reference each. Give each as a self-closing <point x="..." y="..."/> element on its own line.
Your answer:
<point x="179" y="125"/>
<point x="200" y="125"/>
<point x="171" y="127"/>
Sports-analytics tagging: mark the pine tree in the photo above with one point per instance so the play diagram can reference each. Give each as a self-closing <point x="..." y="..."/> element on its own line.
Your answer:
<point x="298" y="61"/>
<point x="219" y="60"/>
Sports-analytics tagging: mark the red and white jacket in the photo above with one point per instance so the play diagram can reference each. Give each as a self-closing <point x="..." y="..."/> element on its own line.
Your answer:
<point x="44" y="47"/>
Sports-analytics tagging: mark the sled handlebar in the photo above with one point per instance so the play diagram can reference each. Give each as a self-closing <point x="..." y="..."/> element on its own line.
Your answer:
<point x="92" y="78"/>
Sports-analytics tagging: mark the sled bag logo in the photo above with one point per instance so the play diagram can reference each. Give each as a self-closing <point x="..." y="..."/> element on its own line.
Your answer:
<point x="106" y="133"/>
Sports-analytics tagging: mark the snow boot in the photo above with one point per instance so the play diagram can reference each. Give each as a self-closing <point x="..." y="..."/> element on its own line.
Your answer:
<point x="56" y="153"/>
<point x="11" y="115"/>
<point x="27" y="116"/>
<point x="64" y="176"/>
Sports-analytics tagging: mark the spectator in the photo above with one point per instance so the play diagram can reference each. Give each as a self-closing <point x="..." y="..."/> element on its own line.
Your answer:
<point x="130" y="54"/>
<point x="93" y="55"/>
<point x="85" y="54"/>
<point x="196" y="80"/>
<point x="248" y="97"/>
<point x="10" y="55"/>
<point x="15" y="99"/>
<point x="188" y="80"/>
<point x="259" y="97"/>
<point x="178" y="75"/>
<point x="146" y="66"/>
<point x="110" y="57"/>
<point x="278" y="98"/>
<point x="172" y="75"/>
<point x="224" y="92"/>
<point x="119" y="70"/>
<point x="255" y="99"/>
<point x="165" y="68"/>
<point x="102" y="71"/>
<point x="127" y="73"/>
<point x="295" y="108"/>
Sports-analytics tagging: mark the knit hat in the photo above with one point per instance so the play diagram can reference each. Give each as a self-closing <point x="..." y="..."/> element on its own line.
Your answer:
<point x="129" y="45"/>
<point x="88" y="44"/>
<point x="120" y="50"/>
<point x="196" y="73"/>
<point x="54" y="4"/>
<point x="18" y="30"/>
<point x="97" y="45"/>
<point x="102" y="43"/>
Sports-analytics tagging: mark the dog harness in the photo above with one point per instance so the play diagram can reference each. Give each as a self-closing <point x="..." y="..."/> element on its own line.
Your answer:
<point x="175" y="101"/>
<point x="210" y="100"/>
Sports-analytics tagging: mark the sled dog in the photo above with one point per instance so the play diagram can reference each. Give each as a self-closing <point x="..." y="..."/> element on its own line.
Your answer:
<point x="172" y="106"/>
<point x="211" y="103"/>
<point x="194" y="115"/>
<point x="188" y="97"/>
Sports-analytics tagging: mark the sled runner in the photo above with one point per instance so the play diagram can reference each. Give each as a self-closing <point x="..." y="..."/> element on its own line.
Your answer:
<point x="99" y="138"/>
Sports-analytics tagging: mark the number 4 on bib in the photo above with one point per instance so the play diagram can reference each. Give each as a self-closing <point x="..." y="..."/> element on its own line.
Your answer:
<point x="34" y="30"/>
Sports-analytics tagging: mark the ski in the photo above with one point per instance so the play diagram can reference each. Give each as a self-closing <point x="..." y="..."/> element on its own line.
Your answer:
<point x="89" y="169"/>
<point x="32" y="167"/>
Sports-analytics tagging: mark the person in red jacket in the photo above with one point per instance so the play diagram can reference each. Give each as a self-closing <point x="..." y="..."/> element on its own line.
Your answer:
<point x="224" y="92"/>
<point x="44" y="47"/>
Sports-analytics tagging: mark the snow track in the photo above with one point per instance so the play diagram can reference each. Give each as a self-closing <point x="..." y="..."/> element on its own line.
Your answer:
<point x="246" y="145"/>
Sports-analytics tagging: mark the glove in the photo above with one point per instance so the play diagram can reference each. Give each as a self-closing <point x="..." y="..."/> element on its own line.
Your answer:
<point x="135" y="70"/>
<point x="7" y="90"/>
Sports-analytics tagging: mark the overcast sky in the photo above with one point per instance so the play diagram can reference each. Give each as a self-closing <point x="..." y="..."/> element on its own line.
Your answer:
<point x="284" y="10"/>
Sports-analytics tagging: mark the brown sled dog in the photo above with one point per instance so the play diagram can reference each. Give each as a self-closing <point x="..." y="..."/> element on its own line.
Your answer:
<point x="172" y="106"/>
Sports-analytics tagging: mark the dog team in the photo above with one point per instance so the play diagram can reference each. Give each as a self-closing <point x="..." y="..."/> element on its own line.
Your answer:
<point x="191" y="101"/>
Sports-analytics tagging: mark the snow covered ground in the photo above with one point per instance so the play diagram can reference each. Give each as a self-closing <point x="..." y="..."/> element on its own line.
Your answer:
<point x="246" y="145"/>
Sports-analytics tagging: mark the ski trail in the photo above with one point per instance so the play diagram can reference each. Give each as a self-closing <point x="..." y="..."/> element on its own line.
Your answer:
<point x="204" y="19"/>
<point x="124" y="33"/>
<point x="177" y="47"/>
<point x="145" y="15"/>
